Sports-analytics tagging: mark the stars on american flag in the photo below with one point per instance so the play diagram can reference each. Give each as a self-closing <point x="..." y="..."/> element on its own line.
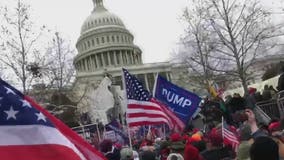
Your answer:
<point x="40" y="116"/>
<point x="15" y="109"/>
<point x="11" y="113"/>
<point x="9" y="90"/>
<point x="134" y="88"/>
<point x="26" y="103"/>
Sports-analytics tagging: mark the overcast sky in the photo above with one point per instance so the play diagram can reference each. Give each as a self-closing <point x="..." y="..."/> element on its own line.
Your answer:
<point x="155" y="24"/>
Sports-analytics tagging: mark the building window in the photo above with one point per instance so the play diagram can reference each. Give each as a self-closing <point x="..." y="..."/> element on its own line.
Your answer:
<point x="93" y="42"/>
<point x="85" y="46"/>
<point x="124" y="58"/>
<point x="117" y="38"/>
<point x="89" y="44"/>
<point x="137" y="59"/>
<point x="107" y="38"/>
<point x="117" y="57"/>
<point x="88" y="64"/>
<point x="106" y="59"/>
<point x="98" y="41"/>
<point x="95" y="21"/>
<point x="130" y="57"/>
<point x="100" y="59"/>
<point x="103" y="39"/>
<point x="111" y="58"/>
<point x="112" y="38"/>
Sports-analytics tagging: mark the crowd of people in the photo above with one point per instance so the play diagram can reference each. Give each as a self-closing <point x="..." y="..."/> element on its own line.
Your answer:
<point x="257" y="141"/>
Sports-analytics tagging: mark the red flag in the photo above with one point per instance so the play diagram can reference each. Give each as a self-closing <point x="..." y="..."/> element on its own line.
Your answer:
<point x="27" y="131"/>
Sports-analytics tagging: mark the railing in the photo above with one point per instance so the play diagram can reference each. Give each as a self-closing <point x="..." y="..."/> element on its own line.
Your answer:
<point x="274" y="108"/>
<point x="88" y="131"/>
<point x="270" y="107"/>
<point x="280" y="103"/>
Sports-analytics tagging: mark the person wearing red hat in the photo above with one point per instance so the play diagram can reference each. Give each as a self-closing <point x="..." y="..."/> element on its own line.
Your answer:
<point x="177" y="143"/>
<point x="215" y="149"/>
<point x="277" y="133"/>
<point x="191" y="153"/>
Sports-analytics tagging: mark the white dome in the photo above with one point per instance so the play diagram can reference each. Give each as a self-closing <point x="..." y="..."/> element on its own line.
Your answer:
<point x="101" y="17"/>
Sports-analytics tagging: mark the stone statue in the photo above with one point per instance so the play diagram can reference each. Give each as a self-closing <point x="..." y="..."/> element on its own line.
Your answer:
<point x="101" y="100"/>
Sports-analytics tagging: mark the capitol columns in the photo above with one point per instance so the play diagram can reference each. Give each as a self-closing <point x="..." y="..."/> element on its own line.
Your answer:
<point x="132" y="57"/>
<point x="86" y="64"/>
<point x="97" y="60"/>
<point x="103" y="59"/>
<point x="146" y="81"/>
<point x="114" y="57"/>
<point x="108" y="57"/>
<point x="127" y="57"/>
<point x="120" y="57"/>
<point x="92" y="65"/>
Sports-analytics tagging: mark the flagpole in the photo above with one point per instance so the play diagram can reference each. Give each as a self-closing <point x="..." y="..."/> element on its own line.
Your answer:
<point x="223" y="130"/>
<point x="125" y="99"/>
<point x="155" y="84"/>
<point x="98" y="132"/>
<point x="84" y="134"/>
<point x="164" y="130"/>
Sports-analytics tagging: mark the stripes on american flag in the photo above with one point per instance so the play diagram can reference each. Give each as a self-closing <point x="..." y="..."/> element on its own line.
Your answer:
<point x="143" y="109"/>
<point x="229" y="136"/>
<point x="27" y="131"/>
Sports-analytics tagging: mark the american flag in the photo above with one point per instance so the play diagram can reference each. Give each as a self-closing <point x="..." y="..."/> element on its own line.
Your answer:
<point x="27" y="131"/>
<point x="143" y="109"/>
<point x="229" y="136"/>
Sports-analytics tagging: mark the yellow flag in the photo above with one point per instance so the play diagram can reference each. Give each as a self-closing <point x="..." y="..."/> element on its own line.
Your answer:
<point x="213" y="91"/>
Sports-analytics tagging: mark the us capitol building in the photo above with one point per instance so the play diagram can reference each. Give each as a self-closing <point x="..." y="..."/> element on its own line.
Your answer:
<point x="104" y="47"/>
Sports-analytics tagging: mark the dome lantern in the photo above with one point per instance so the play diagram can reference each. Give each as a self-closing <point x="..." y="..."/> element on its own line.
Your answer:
<point x="98" y="5"/>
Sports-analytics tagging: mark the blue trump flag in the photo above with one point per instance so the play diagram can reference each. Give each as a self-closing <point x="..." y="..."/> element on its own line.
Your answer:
<point x="182" y="102"/>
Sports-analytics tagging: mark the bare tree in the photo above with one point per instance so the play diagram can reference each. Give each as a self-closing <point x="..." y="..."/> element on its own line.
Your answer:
<point x="59" y="63"/>
<point x="18" y="40"/>
<point x="198" y="45"/>
<point x="227" y="36"/>
<point x="244" y="29"/>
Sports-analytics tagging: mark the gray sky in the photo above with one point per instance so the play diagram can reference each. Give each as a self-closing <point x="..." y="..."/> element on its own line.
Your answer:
<point x="155" y="24"/>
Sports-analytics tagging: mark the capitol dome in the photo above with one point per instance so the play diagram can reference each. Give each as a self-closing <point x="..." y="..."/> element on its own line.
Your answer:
<point x="104" y="43"/>
<point x="101" y="17"/>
